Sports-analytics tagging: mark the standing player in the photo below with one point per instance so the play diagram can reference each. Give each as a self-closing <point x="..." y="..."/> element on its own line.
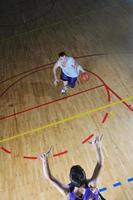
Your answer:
<point x="70" y="70"/>
<point x="80" y="187"/>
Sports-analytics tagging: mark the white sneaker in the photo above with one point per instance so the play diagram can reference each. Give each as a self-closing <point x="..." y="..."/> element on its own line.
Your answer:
<point x="64" y="89"/>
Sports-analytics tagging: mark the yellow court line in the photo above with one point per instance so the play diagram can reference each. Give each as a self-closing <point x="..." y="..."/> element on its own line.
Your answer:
<point x="66" y="119"/>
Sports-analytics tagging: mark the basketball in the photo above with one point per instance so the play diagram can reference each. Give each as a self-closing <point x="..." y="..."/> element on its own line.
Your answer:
<point x="84" y="76"/>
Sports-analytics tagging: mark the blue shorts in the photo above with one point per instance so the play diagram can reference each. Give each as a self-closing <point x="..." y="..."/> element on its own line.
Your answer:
<point x="71" y="80"/>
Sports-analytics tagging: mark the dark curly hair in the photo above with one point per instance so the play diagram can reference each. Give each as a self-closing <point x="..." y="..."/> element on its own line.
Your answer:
<point x="61" y="54"/>
<point x="77" y="175"/>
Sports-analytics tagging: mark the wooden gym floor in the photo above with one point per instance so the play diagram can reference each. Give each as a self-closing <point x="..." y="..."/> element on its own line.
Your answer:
<point x="34" y="115"/>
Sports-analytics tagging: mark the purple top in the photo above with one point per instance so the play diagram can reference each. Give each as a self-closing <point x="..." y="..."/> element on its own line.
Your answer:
<point x="86" y="196"/>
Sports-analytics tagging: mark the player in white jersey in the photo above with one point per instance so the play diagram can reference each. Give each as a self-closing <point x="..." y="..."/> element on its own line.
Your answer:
<point x="70" y="70"/>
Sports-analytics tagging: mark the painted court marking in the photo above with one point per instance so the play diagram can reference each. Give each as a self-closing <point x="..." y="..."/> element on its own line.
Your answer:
<point x="116" y="184"/>
<point x="48" y="103"/>
<point x="66" y="119"/>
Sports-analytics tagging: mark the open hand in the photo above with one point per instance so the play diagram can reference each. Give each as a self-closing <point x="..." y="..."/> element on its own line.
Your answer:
<point x="43" y="156"/>
<point x="97" y="140"/>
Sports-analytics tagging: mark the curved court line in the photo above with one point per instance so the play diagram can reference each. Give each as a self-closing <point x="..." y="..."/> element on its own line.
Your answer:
<point x="127" y="105"/>
<point x="105" y="117"/>
<point x="14" y="114"/>
<point x="108" y="90"/>
<point x="103" y="82"/>
<point x="45" y="65"/>
<point x="4" y="91"/>
<point x="30" y="70"/>
<point x="87" y="139"/>
<point x="30" y="157"/>
<point x="61" y="153"/>
<point x="47" y="103"/>
<point x="54" y="155"/>
<point x="105" y="87"/>
<point x="5" y="150"/>
<point x="65" y="120"/>
<point x="103" y="189"/>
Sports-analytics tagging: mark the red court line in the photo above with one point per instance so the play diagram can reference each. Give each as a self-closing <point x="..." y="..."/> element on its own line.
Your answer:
<point x="3" y="92"/>
<point x="120" y="98"/>
<point x="87" y="139"/>
<point x="30" y="157"/>
<point x="5" y="150"/>
<point x="32" y="69"/>
<point x="48" y="103"/>
<point x="105" y="117"/>
<point x="26" y="72"/>
<point x="103" y="82"/>
<point x="108" y="90"/>
<point x="33" y="157"/>
<point x="131" y="107"/>
<point x="61" y="153"/>
<point x="108" y="93"/>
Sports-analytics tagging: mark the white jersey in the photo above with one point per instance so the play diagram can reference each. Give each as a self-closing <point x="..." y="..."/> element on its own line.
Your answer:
<point x="70" y="67"/>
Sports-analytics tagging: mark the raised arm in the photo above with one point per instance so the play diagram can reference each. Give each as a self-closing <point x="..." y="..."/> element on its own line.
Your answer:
<point x="64" y="189"/>
<point x="99" y="164"/>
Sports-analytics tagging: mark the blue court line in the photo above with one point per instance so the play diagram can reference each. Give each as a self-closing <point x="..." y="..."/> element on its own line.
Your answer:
<point x="102" y="189"/>
<point x="130" y="179"/>
<point x="117" y="184"/>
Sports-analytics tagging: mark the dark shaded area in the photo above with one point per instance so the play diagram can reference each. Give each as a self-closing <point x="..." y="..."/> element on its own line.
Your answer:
<point x="19" y="16"/>
<point x="23" y="12"/>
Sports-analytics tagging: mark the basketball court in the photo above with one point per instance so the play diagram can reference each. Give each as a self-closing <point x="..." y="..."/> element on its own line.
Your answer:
<point x="34" y="115"/>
